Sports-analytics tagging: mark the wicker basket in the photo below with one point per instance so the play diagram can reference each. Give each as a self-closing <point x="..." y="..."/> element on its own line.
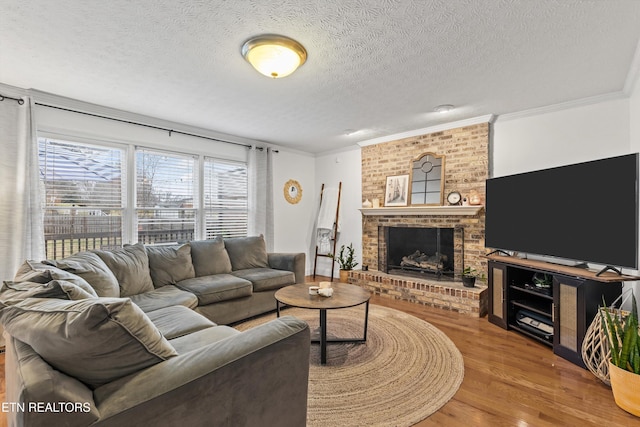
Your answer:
<point x="595" y="349"/>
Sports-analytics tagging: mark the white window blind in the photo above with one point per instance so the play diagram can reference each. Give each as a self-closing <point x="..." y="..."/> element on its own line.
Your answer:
<point x="165" y="196"/>
<point x="87" y="189"/>
<point x="83" y="196"/>
<point x="225" y="198"/>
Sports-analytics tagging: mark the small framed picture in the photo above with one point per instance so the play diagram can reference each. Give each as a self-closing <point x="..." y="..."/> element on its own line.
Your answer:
<point x="397" y="190"/>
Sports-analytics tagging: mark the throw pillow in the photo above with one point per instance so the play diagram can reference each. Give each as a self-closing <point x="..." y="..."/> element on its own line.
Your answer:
<point x="247" y="252"/>
<point x="170" y="264"/>
<point x="94" y="340"/>
<point x="91" y="268"/>
<point x="38" y="272"/>
<point x="130" y="265"/>
<point x="210" y="257"/>
<point x="14" y="292"/>
<point x="32" y="271"/>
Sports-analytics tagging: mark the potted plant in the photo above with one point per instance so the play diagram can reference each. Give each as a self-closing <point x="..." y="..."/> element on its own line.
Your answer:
<point x="469" y="276"/>
<point x="346" y="260"/>
<point x="624" y="366"/>
<point x="542" y="282"/>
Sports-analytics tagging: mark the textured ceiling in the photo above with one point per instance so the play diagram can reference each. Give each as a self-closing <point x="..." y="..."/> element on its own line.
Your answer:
<point x="380" y="66"/>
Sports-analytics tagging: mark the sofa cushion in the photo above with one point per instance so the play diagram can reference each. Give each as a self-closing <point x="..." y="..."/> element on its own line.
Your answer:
<point x="34" y="271"/>
<point x="210" y="257"/>
<point x="165" y="296"/>
<point x="247" y="252"/>
<point x="170" y="264"/>
<point x="130" y="265"/>
<point x="201" y="338"/>
<point x="265" y="279"/>
<point x="216" y="288"/>
<point x="14" y="292"/>
<point x="91" y="268"/>
<point x="38" y="272"/>
<point x="176" y="321"/>
<point x="95" y="340"/>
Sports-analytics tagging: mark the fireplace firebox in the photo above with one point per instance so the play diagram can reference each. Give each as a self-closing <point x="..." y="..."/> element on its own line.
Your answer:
<point x="414" y="251"/>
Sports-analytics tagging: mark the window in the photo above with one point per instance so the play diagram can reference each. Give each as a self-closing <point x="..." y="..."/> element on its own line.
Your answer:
<point x="83" y="196"/>
<point x="225" y="198"/>
<point x="91" y="205"/>
<point x="165" y="196"/>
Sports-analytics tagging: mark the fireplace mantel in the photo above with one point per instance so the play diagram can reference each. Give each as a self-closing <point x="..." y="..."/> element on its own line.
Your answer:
<point x="423" y="210"/>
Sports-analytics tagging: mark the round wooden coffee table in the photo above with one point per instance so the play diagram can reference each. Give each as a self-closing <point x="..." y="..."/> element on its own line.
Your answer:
<point x="344" y="295"/>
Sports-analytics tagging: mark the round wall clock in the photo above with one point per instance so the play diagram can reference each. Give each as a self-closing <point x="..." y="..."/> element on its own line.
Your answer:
<point x="292" y="191"/>
<point x="454" y="198"/>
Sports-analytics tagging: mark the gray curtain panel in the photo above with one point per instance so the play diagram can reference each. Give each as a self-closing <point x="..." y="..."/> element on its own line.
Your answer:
<point x="260" y="165"/>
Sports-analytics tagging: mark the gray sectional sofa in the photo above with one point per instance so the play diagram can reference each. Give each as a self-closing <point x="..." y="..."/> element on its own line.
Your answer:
<point x="134" y="336"/>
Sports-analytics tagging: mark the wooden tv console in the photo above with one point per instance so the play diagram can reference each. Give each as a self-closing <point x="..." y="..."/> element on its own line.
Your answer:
<point x="565" y="309"/>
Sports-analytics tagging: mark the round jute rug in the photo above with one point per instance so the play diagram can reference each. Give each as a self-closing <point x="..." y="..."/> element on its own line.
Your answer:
<point x="407" y="369"/>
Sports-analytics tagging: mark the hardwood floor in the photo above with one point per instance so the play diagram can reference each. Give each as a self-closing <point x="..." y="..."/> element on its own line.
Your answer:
<point x="509" y="379"/>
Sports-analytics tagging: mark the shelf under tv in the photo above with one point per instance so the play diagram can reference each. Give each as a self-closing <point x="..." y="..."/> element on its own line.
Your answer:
<point x="548" y="267"/>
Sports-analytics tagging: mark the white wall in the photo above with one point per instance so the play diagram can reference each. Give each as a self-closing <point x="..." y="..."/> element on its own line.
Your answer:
<point x="293" y="223"/>
<point x="331" y="168"/>
<point x="634" y="137"/>
<point x="634" y="117"/>
<point x="524" y="143"/>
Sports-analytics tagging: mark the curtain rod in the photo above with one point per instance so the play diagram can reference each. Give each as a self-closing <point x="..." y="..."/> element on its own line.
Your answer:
<point x="141" y="124"/>
<point x="20" y="101"/>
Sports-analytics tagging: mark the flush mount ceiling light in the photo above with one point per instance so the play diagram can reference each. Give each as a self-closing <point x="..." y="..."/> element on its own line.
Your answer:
<point x="273" y="55"/>
<point x="444" y="108"/>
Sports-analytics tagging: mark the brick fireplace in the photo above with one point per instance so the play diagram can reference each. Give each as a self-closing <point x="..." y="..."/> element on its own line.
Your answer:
<point x="466" y="151"/>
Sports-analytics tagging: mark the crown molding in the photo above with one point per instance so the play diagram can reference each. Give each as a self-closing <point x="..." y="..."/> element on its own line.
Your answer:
<point x="12" y="91"/>
<point x="562" y="106"/>
<point x="489" y="118"/>
<point x="348" y="148"/>
<point x="633" y="76"/>
<point x="286" y="149"/>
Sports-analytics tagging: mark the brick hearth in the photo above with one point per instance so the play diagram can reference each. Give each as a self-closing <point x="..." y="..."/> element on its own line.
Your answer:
<point x="447" y="295"/>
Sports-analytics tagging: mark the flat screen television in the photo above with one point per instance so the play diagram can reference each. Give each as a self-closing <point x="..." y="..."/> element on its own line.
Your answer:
<point x="587" y="212"/>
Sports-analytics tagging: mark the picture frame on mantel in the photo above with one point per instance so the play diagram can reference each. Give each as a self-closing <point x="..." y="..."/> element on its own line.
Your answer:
<point x="397" y="190"/>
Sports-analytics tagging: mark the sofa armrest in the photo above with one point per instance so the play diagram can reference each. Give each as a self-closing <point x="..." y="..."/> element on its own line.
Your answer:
<point x="257" y="377"/>
<point x="295" y="262"/>
<point x="32" y="385"/>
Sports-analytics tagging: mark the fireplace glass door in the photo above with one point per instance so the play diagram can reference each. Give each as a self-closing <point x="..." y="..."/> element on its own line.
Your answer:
<point x="422" y="251"/>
